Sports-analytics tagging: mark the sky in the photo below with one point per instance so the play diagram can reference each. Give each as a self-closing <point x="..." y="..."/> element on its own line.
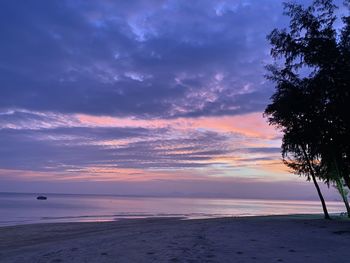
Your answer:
<point x="140" y="97"/>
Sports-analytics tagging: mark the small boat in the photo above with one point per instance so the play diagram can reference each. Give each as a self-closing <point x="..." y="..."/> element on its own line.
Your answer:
<point x="41" y="197"/>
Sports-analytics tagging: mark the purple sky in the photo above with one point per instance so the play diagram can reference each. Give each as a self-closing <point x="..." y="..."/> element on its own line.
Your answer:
<point x="140" y="97"/>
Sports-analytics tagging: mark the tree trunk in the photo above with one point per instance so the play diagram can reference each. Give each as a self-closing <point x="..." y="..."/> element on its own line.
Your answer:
<point x="340" y="188"/>
<point x="346" y="202"/>
<point x="341" y="191"/>
<point x="313" y="176"/>
<point x="324" y="207"/>
<point x="347" y="180"/>
<point x="344" y="176"/>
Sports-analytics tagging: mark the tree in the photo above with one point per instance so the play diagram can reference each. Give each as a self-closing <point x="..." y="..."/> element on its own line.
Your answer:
<point x="290" y="111"/>
<point x="343" y="191"/>
<point x="312" y="92"/>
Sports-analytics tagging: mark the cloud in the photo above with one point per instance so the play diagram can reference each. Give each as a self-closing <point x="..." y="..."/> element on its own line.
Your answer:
<point x="149" y="59"/>
<point x="68" y="148"/>
<point x="264" y="150"/>
<point x="155" y="89"/>
<point x="58" y="147"/>
<point x="25" y="119"/>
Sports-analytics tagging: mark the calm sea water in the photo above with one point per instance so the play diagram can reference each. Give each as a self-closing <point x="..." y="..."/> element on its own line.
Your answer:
<point x="25" y="209"/>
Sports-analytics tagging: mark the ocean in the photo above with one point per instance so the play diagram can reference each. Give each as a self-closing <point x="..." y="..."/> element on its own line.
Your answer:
<point x="26" y="209"/>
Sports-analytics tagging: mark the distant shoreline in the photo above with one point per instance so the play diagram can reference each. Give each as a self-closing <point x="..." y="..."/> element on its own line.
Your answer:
<point x="169" y="196"/>
<point x="292" y="238"/>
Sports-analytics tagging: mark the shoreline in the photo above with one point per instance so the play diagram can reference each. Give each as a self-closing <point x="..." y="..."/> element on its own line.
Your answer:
<point x="284" y="238"/>
<point x="116" y="218"/>
<point x="121" y="217"/>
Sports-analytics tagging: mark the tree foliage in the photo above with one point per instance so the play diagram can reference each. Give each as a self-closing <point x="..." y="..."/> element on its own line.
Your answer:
<point x="311" y="102"/>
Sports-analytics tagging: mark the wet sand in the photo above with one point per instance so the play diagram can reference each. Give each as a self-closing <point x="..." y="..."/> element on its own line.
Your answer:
<point x="254" y="239"/>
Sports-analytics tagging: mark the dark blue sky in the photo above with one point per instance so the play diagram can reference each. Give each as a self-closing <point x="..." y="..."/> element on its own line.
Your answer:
<point x="149" y="59"/>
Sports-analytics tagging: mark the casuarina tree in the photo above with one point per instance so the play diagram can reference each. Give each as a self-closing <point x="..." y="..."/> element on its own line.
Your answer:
<point x="312" y="77"/>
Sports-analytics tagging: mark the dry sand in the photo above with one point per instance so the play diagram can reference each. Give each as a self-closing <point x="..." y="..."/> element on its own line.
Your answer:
<point x="257" y="239"/>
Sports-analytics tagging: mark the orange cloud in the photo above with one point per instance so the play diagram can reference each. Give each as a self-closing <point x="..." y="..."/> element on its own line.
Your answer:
<point x="249" y="125"/>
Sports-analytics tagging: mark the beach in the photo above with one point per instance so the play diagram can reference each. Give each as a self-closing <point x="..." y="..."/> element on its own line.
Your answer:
<point x="242" y="239"/>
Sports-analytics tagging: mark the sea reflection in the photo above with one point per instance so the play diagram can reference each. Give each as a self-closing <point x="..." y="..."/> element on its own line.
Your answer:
<point x="25" y="209"/>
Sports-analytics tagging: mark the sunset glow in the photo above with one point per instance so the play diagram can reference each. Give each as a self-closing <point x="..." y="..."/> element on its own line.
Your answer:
<point x="141" y="94"/>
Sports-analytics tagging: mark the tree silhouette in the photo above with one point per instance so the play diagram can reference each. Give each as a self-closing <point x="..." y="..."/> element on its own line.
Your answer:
<point x="310" y="105"/>
<point x="291" y="112"/>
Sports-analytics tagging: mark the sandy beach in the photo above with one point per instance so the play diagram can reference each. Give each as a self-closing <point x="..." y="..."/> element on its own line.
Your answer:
<point x="255" y="239"/>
